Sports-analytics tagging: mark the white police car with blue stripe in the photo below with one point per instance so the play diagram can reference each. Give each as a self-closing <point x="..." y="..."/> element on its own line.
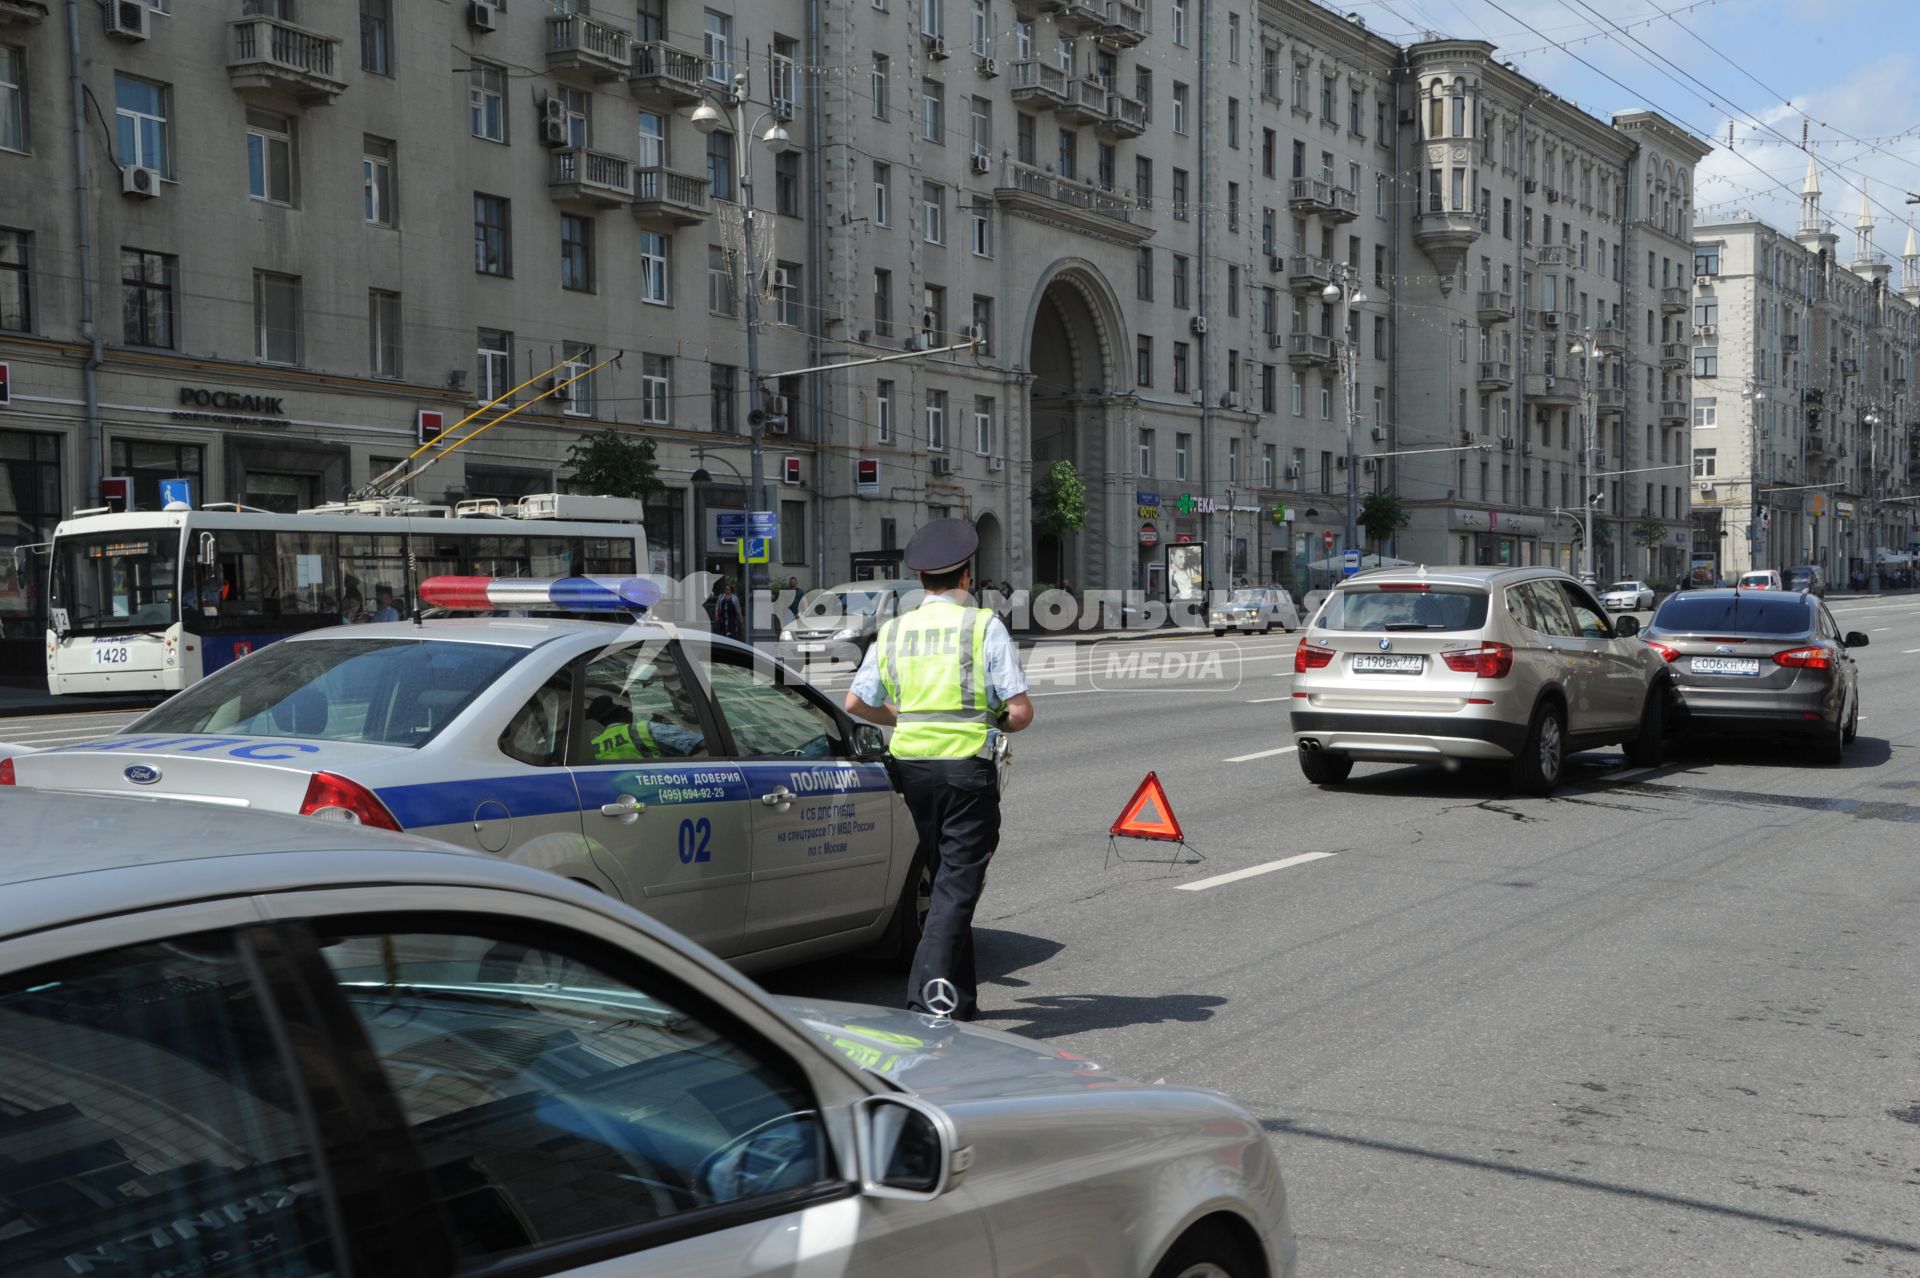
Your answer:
<point x="683" y="773"/>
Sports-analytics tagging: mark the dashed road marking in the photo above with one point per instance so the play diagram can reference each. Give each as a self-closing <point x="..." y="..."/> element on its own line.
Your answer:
<point x="1260" y="754"/>
<point x="1235" y="876"/>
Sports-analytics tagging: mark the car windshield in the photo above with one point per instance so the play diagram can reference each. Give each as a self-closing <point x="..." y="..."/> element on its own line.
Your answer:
<point x="845" y="603"/>
<point x="1756" y="579"/>
<point x="1734" y="615"/>
<point x="117" y="581"/>
<point x="1798" y="575"/>
<point x="399" y="692"/>
<point x="1623" y="586"/>
<point x="1406" y="608"/>
<point x="1249" y="597"/>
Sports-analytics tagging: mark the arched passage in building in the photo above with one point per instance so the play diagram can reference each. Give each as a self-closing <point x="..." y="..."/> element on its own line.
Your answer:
<point x="990" y="561"/>
<point x="1072" y="410"/>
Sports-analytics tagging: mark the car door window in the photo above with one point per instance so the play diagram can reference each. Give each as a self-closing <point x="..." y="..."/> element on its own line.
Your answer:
<point x="1588" y="619"/>
<point x="557" y="1091"/>
<point x="636" y="704"/>
<point x="149" y="1126"/>
<point x="537" y="733"/>
<point x="1549" y="610"/>
<point x="767" y="715"/>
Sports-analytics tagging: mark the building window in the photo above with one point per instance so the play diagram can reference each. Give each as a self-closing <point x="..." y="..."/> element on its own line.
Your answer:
<point x="149" y="280"/>
<point x="983" y="425"/>
<point x="980" y="234"/>
<point x="1180" y="21"/>
<point x="653" y="140"/>
<point x="376" y="31"/>
<point x="720" y="165"/>
<point x="13" y="98"/>
<point x="933" y="19"/>
<point x="383" y="333"/>
<point x="783" y="86"/>
<point x="492" y="236"/>
<point x="1182" y="445"/>
<point x="16" y="280"/>
<point x="883" y="302"/>
<point x="1143" y="360"/>
<point x="655" y="285"/>
<point x="1706" y="361"/>
<point x="883" y="411"/>
<point x="933" y="111"/>
<point x="719" y="47"/>
<point x="1706" y="259"/>
<point x="983" y="324"/>
<point x="786" y="294"/>
<point x="1179" y="195"/>
<point x="721" y="418"/>
<point x="376" y="181"/>
<point x="141" y="110"/>
<point x="1182" y="373"/>
<point x="487" y="101"/>
<point x="656" y="389"/>
<point x="786" y="184"/>
<point x="1179" y="108"/>
<point x="577" y="400"/>
<point x="576" y="253"/>
<point x="720" y="295"/>
<point x="1146" y="453"/>
<point x="980" y="125"/>
<point x="1703" y="463"/>
<point x="1143" y="273"/>
<point x="933" y="212"/>
<point x="936" y="421"/>
<point x="882" y="194"/>
<point x="1706" y="413"/>
<point x="493" y="352"/>
<point x="1069" y="154"/>
<point x="276" y="317"/>
<point x="1180" y="281"/>
<point x="877" y="88"/>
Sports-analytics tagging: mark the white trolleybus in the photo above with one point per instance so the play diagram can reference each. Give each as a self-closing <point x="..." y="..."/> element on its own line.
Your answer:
<point x="155" y="600"/>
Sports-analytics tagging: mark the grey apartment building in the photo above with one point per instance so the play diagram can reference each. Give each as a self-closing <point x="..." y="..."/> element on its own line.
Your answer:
<point x="1804" y="418"/>
<point x="266" y="236"/>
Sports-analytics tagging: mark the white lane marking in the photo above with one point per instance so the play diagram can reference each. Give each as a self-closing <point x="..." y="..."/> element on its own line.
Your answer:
<point x="1235" y="876"/>
<point x="1625" y="774"/>
<point x="1260" y="754"/>
<point x="1261" y="701"/>
<point x="1908" y="652"/>
<point x="1877" y="629"/>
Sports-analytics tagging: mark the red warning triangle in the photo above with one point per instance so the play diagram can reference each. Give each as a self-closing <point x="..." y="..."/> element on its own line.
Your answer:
<point x="1148" y="815"/>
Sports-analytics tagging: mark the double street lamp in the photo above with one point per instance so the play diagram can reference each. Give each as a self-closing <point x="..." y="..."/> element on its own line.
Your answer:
<point x="1344" y="288"/>
<point x="707" y="118"/>
<point x="1587" y="349"/>
<point x="1756" y="524"/>
<point x="1872" y="421"/>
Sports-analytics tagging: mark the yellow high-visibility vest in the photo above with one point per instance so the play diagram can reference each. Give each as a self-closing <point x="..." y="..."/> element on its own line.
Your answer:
<point x="934" y="669"/>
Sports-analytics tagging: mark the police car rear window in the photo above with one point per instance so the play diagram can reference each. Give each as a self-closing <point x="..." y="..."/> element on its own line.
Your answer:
<point x="398" y="692"/>
<point x="1391" y="609"/>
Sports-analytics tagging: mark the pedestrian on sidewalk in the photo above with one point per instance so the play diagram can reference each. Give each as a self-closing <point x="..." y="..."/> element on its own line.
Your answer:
<point x="952" y="687"/>
<point x="728" y="620"/>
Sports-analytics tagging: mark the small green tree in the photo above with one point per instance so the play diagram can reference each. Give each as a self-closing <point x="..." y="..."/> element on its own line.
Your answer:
<point x="608" y="463"/>
<point x="1381" y="516"/>
<point x="1650" y="531"/>
<point x="1059" y="507"/>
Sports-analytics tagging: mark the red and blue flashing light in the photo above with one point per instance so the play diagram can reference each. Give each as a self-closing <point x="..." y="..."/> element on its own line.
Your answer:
<point x="560" y="594"/>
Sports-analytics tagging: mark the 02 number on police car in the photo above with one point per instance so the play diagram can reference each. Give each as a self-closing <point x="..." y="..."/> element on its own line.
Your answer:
<point x="694" y="834"/>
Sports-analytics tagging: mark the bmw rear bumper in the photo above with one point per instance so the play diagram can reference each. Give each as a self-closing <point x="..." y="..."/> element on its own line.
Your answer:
<point x="1407" y="737"/>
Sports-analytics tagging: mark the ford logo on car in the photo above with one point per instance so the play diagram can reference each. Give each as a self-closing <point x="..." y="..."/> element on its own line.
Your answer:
<point x="142" y="774"/>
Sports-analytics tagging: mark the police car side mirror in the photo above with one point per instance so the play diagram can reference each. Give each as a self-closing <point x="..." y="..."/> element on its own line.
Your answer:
<point x="868" y="741"/>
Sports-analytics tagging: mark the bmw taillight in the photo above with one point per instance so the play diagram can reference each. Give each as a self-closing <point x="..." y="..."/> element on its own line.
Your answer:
<point x="334" y="798"/>
<point x="1488" y="660"/>
<point x="6" y="771"/>
<point x="1311" y="657"/>
<point x="1667" y="651"/>
<point x="1814" y="658"/>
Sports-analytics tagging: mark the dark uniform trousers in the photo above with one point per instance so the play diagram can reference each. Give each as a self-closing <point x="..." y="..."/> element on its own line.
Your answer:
<point x="956" y="806"/>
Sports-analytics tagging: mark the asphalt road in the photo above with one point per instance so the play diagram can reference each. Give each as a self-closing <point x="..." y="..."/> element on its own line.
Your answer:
<point x="1662" y="1023"/>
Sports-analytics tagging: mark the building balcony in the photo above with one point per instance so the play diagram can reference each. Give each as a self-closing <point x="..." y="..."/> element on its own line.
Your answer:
<point x="576" y="175"/>
<point x="1082" y="206"/>
<point x="1610" y="399"/>
<point x="1306" y="273"/>
<point x="1125" y="117"/>
<point x="1038" y="84"/>
<point x="661" y="195"/>
<point x="281" y="60"/>
<point x="26" y="12"/>
<point x="1817" y="443"/>
<point x="1495" y="306"/>
<point x="1545" y="388"/>
<point x="1674" y="299"/>
<point x="1125" y="23"/>
<point x="1307" y="350"/>
<point x="1610" y="337"/>
<point x="1445" y="235"/>
<point x="1790" y="343"/>
<point x="582" y="49"/>
<point x="1674" y="354"/>
<point x="1075" y="17"/>
<point x="1552" y="255"/>
<point x="1086" y="102"/>
<point x="1495" y="374"/>
<point x="1314" y="195"/>
<point x="1675" y="412"/>
<point x="662" y="73"/>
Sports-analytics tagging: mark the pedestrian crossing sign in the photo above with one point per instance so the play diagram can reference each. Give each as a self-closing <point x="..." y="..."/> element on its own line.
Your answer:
<point x="753" y="550"/>
<point x="1148" y="815"/>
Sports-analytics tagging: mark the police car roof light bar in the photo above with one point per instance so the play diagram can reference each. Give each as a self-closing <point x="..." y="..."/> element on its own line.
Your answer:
<point x="559" y="594"/>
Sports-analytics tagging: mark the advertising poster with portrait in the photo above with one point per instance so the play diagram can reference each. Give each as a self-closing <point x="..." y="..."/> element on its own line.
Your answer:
<point x="1186" y="572"/>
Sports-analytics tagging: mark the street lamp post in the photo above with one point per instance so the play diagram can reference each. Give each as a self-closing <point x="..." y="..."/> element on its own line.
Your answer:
<point x="1344" y="288"/>
<point x="1872" y="419"/>
<point x="1587" y="349"/>
<point x="1756" y="527"/>
<point x="707" y="118"/>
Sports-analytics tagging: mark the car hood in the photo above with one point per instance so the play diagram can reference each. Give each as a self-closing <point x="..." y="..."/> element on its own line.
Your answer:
<point x="946" y="1061"/>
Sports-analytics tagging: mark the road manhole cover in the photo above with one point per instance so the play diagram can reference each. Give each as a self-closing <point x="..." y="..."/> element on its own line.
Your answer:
<point x="1911" y="1114"/>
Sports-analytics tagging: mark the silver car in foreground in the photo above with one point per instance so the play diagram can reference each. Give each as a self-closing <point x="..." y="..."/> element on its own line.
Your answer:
<point x="266" y="1047"/>
<point x="1520" y="666"/>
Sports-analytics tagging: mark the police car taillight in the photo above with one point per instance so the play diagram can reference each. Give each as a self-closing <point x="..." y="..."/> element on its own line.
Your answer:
<point x="334" y="798"/>
<point x="6" y="771"/>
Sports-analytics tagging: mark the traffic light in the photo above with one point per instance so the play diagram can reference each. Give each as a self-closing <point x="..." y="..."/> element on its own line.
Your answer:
<point x="790" y="470"/>
<point x="116" y="494"/>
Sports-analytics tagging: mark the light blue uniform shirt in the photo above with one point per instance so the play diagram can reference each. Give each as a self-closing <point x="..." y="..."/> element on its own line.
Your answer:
<point x="1005" y="679"/>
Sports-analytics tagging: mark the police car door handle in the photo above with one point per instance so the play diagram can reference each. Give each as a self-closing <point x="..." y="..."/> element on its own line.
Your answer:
<point x="779" y="798"/>
<point x="627" y="809"/>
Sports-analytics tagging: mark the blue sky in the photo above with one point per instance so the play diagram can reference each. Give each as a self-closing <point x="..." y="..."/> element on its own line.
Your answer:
<point x="1842" y="68"/>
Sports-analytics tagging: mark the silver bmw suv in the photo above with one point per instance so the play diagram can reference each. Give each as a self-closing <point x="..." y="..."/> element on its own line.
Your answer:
<point x="1512" y="665"/>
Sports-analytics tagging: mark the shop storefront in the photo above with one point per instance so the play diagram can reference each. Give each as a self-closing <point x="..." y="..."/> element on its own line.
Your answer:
<point x="1494" y="538"/>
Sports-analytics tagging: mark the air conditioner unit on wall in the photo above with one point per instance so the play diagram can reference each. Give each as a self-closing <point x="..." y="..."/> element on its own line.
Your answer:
<point x="1199" y="325"/>
<point x="553" y="122"/>
<point x="1293" y="471"/>
<point x="129" y="19"/>
<point x="142" y="183"/>
<point x="940" y="465"/>
<point x="937" y="48"/>
<point x="1506" y="442"/>
<point x="1379" y="434"/>
<point x="980" y="162"/>
<point x="482" y="16"/>
<point x="996" y="464"/>
<point x="989" y="67"/>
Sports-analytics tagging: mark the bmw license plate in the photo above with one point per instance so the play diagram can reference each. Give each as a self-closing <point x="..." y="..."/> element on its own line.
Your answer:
<point x="1725" y="665"/>
<point x="1387" y="663"/>
<point x="112" y="654"/>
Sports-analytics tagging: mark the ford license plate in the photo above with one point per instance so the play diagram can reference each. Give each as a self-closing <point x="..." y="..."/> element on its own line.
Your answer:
<point x="1387" y="663"/>
<point x="1725" y="665"/>
<point x="112" y="654"/>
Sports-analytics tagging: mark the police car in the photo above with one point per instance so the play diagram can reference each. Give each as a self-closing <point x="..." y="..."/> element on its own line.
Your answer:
<point x="682" y="773"/>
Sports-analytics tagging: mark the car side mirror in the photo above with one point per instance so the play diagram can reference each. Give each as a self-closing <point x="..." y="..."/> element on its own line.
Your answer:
<point x="1626" y="626"/>
<point x="869" y="742"/>
<point x="1855" y="639"/>
<point x="907" y="1149"/>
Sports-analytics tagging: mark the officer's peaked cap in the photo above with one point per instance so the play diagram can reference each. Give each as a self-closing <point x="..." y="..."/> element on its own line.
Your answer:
<point x="941" y="546"/>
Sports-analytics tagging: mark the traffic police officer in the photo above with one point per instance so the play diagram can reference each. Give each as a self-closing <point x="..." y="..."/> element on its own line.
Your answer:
<point x="947" y="676"/>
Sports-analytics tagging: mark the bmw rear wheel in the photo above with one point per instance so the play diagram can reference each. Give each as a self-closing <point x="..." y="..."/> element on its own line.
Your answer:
<point x="1323" y="768"/>
<point x="1536" y="769"/>
<point x="1208" y="1252"/>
